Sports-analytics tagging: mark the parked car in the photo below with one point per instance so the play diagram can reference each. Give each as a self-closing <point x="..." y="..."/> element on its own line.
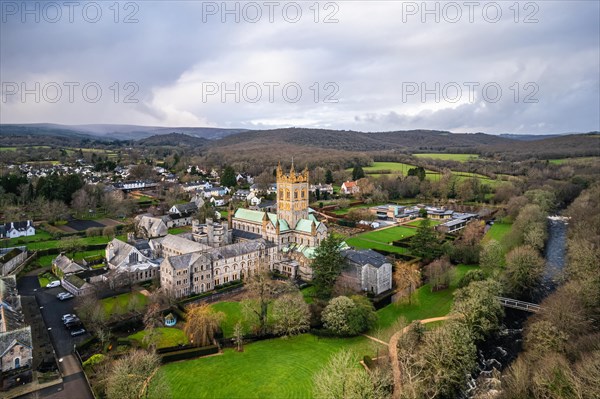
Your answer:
<point x="74" y="323"/>
<point x="75" y="333"/>
<point x="72" y="320"/>
<point x="68" y="316"/>
<point x="52" y="284"/>
<point x="65" y="295"/>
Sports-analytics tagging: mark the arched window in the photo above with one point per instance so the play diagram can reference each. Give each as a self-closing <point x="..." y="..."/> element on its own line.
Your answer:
<point x="17" y="362"/>
<point x="217" y="272"/>
<point x="295" y="194"/>
<point x="287" y="194"/>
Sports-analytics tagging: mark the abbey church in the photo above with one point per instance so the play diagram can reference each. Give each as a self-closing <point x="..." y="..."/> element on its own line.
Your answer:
<point x="293" y="229"/>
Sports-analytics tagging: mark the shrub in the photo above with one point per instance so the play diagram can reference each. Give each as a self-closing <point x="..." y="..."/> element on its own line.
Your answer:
<point x="94" y="359"/>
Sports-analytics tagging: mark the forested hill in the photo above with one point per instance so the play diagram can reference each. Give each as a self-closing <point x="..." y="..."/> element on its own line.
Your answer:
<point x="348" y="140"/>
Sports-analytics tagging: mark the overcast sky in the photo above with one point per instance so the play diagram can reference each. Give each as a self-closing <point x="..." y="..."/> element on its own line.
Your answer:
<point x="368" y="66"/>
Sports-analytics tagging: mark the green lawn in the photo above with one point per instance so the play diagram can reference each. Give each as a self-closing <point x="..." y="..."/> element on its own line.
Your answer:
<point x="424" y="304"/>
<point x="233" y="314"/>
<point x="308" y="293"/>
<point x="119" y="304"/>
<point x="179" y="230"/>
<point x="167" y="336"/>
<point x="275" y="368"/>
<point x="417" y="223"/>
<point x="449" y="157"/>
<point x="33" y="246"/>
<point x="381" y="239"/>
<point x="573" y="160"/>
<point x="40" y="235"/>
<point x="498" y="231"/>
<point x="284" y="368"/>
<point x="45" y="278"/>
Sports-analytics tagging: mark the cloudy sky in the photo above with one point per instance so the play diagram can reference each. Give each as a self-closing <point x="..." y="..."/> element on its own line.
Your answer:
<point x="370" y="66"/>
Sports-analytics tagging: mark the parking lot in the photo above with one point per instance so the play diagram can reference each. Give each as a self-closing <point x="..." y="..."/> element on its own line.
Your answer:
<point x="52" y="310"/>
<point x="74" y="383"/>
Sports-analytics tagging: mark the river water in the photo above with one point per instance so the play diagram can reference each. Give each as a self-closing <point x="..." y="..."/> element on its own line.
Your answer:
<point x="500" y="350"/>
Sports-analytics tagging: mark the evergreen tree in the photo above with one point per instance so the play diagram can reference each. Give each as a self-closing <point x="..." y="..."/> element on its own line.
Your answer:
<point x="327" y="266"/>
<point x="418" y="171"/>
<point x="358" y="173"/>
<point x="425" y="243"/>
<point x="228" y="177"/>
<point x="328" y="177"/>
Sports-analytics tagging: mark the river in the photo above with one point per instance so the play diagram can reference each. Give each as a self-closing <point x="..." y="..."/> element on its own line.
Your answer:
<point x="500" y="350"/>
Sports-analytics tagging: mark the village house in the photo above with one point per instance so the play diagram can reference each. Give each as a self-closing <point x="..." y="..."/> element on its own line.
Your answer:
<point x="148" y="226"/>
<point x="17" y="229"/>
<point x="11" y="258"/>
<point x="349" y="188"/>
<point x="322" y="188"/>
<point x="63" y="266"/>
<point x="131" y="262"/>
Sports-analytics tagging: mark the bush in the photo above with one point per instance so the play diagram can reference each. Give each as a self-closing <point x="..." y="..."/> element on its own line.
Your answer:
<point x="94" y="359"/>
<point x="470" y="276"/>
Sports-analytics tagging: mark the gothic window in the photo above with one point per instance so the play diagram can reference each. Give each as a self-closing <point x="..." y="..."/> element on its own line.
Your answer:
<point x="133" y="257"/>
<point x="281" y="193"/>
<point x="304" y="193"/>
<point x="295" y="194"/>
<point x="287" y="194"/>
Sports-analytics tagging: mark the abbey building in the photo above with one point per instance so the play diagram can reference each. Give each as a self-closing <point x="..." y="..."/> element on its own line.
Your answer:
<point x="293" y="229"/>
<point x="218" y="253"/>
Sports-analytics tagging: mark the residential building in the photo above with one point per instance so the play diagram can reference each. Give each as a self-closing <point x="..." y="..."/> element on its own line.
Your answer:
<point x="11" y="258"/>
<point x="349" y="188"/>
<point x="17" y="229"/>
<point x="132" y="262"/>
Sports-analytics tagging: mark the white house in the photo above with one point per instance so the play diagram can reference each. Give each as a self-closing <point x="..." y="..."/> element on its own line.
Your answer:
<point x="349" y="188"/>
<point x="17" y="229"/>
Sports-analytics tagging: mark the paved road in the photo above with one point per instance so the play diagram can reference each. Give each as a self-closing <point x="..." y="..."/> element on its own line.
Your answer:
<point x="74" y="384"/>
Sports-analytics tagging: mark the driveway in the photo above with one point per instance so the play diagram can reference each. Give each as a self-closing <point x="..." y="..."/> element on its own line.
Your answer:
<point x="74" y="383"/>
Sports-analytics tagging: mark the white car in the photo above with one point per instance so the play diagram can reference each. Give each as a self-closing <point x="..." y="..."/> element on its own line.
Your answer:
<point x="52" y="284"/>
<point x="67" y="316"/>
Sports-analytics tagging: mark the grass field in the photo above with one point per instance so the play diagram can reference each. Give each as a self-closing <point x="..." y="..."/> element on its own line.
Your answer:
<point x="417" y="223"/>
<point x="40" y="235"/>
<point x="424" y="304"/>
<point x="449" y="157"/>
<point x="119" y="304"/>
<point x="233" y="314"/>
<point x="382" y="239"/>
<point x="179" y="230"/>
<point x="276" y="368"/>
<point x="32" y="246"/>
<point x="573" y="160"/>
<point x="167" y="336"/>
<point x="498" y="231"/>
<point x="284" y="368"/>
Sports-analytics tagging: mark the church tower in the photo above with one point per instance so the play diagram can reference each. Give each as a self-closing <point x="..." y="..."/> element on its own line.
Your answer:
<point x="292" y="195"/>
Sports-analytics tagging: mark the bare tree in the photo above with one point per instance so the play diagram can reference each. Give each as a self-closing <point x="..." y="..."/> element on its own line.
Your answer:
<point x="291" y="314"/>
<point x="137" y="375"/>
<point x="407" y="278"/>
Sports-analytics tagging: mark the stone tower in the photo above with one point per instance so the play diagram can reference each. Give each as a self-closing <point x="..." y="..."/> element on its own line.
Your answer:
<point x="292" y="195"/>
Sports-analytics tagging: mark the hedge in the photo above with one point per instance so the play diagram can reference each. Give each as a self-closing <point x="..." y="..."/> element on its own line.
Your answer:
<point x="189" y="353"/>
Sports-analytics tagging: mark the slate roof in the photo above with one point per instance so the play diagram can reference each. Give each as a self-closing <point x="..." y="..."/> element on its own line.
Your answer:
<point x="181" y="244"/>
<point x="11" y="316"/>
<point x="365" y="256"/>
<point x="187" y="207"/>
<point x="66" y="265"/>
<point x="9" y="339"/>
<point x="247" y="235"/>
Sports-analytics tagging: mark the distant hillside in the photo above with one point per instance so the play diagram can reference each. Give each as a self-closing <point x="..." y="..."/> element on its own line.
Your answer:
<point x="357" y="141"/>
<point x="573" y="145"/>
<point x="111" y="132"/>
<point x="173" y="139"/>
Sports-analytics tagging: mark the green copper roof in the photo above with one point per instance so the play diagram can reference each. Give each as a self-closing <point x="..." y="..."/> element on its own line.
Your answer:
<point x="304" y="225"/>
<point x="250" y="215"/>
